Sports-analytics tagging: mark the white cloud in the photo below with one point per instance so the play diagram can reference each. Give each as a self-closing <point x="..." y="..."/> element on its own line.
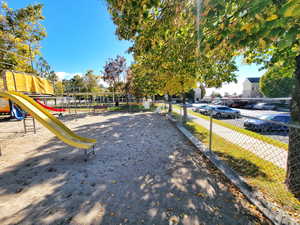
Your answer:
<point x="230" y="88"/>
<point x="65" y="75"/>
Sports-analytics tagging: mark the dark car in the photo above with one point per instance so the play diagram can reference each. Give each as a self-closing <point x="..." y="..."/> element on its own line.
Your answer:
<point x="263" y="125"/>
<point x="249" y="106"/>
<point x="239" y="104"/>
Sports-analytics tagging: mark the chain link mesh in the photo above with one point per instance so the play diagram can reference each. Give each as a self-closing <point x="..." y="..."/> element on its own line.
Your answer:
<point x="255" y="144"/>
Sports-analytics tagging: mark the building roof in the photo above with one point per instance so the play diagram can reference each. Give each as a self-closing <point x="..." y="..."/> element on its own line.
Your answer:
<point x="253" y="79"/>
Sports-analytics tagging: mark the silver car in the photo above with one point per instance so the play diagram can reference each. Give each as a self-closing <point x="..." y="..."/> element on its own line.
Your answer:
<point x="264" y="106"/>
<point x="225" y="112"/>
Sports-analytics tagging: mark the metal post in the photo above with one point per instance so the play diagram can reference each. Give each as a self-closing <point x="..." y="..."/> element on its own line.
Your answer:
<point x="210" y="130"/>
<point x="24" y="123"/>
<point x="33" y="121"/>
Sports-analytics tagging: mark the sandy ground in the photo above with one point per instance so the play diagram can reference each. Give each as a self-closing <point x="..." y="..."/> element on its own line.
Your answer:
<point x="144" y="172"/>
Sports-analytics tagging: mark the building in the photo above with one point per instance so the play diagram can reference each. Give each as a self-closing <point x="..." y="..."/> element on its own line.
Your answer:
<point x="251" y="88"/>
<point x="197" y="96"/>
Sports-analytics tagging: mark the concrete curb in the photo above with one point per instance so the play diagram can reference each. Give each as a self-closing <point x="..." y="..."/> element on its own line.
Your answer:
<point x="278" y="217"/>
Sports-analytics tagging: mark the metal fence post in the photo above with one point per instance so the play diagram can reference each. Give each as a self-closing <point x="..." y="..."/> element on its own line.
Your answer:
<point x="210" y="130"/>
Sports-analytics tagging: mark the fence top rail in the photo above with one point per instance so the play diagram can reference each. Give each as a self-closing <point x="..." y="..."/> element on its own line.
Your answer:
<point x="253" y="99"/>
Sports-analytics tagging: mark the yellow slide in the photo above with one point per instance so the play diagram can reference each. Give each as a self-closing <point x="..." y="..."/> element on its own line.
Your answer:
<point x="48" y="120"/>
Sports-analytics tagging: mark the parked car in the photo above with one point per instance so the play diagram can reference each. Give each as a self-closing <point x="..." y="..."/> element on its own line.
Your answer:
<point x="205" y="109"/>
<point x="239" y="104"/>
<point x="249" y="106"/>
<point x="263" y="125"/>
<point x="188" y="105"/>
<point x="217" y="102"/>
<point x="223" y="111"/>
<point x="264" y="106"/>
<point x="198" y="108"/>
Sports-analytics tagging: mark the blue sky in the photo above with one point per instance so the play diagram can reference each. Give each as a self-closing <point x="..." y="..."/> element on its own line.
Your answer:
<point x="81" y="36"/>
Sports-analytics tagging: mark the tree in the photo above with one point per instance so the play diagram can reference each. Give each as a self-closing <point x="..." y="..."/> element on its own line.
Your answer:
<point x="203" y="90"/>
<point x="265" y="32"/>
<point x="91" y="82"/>
<point x="77" y="84"/>
<point x="277" y="83"/>
<point x="190" y="95"/>
<point x="42" y="67"/>
<point x="112" y="72"/>
<point x="21" y="32"/>
<point x="215" y="95"/>
<point x="59" y="88"/>
<point x="165" y="46"/>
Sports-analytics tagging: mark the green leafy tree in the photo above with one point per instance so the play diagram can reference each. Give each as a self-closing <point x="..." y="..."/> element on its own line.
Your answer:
<point x="215" y="95"/>
<point x="277" y="83"/>
<point x="21" y="32"/>
<point x="77" y="84"/>
<point x="265" y="32"/>
<point x="43" y="69"/>
<point x="165" y="46"/>
<point x="59" y="88"/>
<point x="91" y="82"/>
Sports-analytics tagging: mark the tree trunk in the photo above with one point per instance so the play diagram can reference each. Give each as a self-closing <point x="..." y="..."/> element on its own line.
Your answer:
<point x="293" y="164"/>
<point x="184" y="118"/>
<point x="170" y="104"/>
<point x="127" y="100"/>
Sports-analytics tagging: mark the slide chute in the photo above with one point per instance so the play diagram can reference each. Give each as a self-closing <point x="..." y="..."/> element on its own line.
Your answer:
<point x="48" y="120"/>
<point x="50" y="108"/>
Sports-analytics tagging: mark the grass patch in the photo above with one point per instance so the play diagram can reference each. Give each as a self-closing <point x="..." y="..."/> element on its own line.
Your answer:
<point x="131" y="108"/>
<point x="242" y="130"/>
<point x="259" y="173"/>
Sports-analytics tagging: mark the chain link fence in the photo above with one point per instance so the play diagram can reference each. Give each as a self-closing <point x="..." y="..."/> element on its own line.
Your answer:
<point x="254" y="143"/>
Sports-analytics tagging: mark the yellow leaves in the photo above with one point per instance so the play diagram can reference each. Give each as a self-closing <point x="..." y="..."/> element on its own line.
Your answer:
<point x="247" y="27"/>
<point x="291" y="9"/>
<point x="262" y="43"/>
<point x="222" y="26"/>
<point x="4" y="5"/>
<point x="257" y="16"/>
<point x="272" y="17"/>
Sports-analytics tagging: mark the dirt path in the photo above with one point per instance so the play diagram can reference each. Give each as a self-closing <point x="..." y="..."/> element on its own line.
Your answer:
<point x="144" y="172"/>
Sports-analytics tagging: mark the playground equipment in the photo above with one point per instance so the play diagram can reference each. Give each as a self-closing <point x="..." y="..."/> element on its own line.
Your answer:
<point x="11" y="86"/>
<point x="50" y="108"/>
<point x="48" y="120"/>
<point x="17" y="112"/>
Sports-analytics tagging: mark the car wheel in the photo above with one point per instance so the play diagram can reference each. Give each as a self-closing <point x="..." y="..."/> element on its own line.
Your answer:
<point x="218" y="116"/>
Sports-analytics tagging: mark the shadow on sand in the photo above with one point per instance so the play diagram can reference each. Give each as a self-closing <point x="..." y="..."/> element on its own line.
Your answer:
<point x="144" y="172"/>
